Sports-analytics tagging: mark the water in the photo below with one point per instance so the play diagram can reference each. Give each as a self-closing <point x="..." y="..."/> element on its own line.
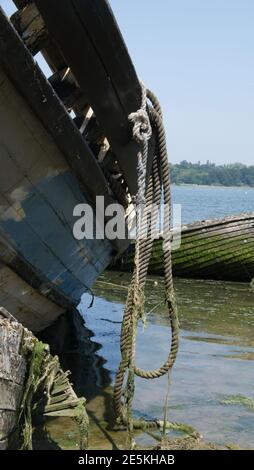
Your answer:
<point x="208" y="202"/>
<point x="215" y="359"/>
<point x="216" y="353"/>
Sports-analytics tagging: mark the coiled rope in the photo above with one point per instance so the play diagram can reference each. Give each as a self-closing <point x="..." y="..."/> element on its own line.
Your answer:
<point x="158" y="185"/>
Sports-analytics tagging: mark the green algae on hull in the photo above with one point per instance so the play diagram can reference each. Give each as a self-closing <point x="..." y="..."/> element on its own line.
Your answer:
<point x="48" y="392"/>
<point x="215" y="249"/>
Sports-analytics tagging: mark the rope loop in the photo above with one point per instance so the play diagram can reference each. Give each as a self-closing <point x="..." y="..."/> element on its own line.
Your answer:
<point x="150" y="190"/>
<point x="142" y="130"/>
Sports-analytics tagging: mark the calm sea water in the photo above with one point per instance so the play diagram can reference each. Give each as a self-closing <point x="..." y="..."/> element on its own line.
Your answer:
<point x="215" y="361"/>
<point x="208" y="202"/>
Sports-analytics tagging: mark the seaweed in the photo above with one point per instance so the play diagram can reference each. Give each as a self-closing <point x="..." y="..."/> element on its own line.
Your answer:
<point x="239" y="400"/>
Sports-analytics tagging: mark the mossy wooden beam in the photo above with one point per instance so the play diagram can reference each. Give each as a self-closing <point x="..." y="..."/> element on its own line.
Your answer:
<point x="32" y="383"/>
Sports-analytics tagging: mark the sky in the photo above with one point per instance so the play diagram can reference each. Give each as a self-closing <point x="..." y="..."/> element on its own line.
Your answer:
<point x="198" y="57"/>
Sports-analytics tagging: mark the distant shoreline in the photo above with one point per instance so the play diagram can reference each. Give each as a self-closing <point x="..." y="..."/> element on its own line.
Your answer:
<point x="211" y="186"/>
<point x="234" y="175"/>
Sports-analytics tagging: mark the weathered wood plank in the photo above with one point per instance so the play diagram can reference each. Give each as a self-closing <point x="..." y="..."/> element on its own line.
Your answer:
<point x="22" y="3"/>
<point x="10" y="336"/>
<point x="10" y="393"/>
<point x="8" y="421"/>
<point x="3" y="444"/>
<point x="34" y="279"/>
<point x="30" y="308"/>
<point x="12" y="365"/>
<point x="31" y="27"/>
<point x="12" y="374"/>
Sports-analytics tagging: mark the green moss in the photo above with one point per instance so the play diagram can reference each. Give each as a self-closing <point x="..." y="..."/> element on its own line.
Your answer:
<point x="201" y="253"/>
<point x="233" y="446"/>
<point x="239" y="400"/>
<point x="82" y="420"/>
<point x="45" y="377"/>
<point x="179" y="427"/>
<point x="35" y="359"/>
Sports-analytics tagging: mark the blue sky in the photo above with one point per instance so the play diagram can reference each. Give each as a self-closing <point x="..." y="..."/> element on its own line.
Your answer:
<point x="198" y="56"/>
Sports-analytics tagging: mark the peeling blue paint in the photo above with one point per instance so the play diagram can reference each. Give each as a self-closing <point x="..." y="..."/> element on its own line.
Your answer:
<point x="44" y="236"/>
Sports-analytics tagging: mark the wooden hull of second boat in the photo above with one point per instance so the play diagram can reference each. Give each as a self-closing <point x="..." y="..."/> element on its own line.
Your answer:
<point x="214" y="249"/>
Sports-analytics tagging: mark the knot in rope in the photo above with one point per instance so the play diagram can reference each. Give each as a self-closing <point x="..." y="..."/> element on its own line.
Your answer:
<point x="142" y="130"/>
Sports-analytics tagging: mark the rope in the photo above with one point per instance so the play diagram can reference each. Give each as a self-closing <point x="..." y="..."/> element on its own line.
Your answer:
<point x="158" y="185"/>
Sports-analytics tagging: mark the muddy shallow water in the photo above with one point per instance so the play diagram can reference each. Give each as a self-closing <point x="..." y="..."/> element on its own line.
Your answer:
<point x="212" y="382"/>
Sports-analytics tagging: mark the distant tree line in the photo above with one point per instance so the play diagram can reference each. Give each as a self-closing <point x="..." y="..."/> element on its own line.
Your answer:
<point x="235" y="174"/>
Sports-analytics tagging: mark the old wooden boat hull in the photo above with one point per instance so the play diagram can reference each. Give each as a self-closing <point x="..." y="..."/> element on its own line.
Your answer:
<point x="38" y="192"/>
<point x="49" y="162"/>
<point x="214" y="249"/>
<point x="12" y="376"/>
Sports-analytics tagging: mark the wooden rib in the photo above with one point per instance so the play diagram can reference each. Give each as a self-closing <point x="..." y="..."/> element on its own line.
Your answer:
<point x="31" y="27"/>
<point x="68" y="91"/>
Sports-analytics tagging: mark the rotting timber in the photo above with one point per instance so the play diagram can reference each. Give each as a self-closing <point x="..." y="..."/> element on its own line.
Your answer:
<point x="32" y="385"/>
<point x="220" y="249"/>
<point x="12" y="376"/>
